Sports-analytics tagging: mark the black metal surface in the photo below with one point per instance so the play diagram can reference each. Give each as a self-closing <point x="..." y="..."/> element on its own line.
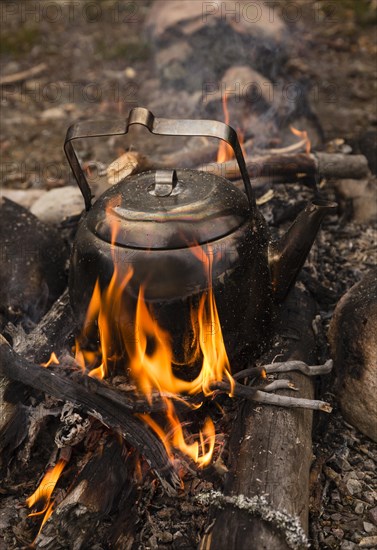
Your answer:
<point x="287" y="256"/>
<point x="200" y="208"/>
<point x="175" y="279"/>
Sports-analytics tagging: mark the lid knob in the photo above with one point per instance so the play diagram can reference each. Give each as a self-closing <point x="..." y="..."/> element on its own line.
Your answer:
<point x="165" y="182"/>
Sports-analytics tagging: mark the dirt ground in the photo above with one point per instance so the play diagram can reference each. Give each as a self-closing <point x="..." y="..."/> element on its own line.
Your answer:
<point x="100" y="62"/>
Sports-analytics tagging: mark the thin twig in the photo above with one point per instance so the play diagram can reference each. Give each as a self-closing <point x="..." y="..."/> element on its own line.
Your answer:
<point x="286" y="366"/>
<point x="23" y="75"/>
<point x="280" y="385"/>
<point x="260" y="396"/>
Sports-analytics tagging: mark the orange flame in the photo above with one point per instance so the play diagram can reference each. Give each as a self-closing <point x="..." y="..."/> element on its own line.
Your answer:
<point x="304" y="136"/>
<point x="225" y="151"/>
<point x="150" y="357"/>
<point x="44" y="491"/>
<point x="53" y="360"/>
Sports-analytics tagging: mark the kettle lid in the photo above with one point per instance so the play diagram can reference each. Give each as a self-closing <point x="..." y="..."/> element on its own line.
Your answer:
<point x="168" y="209"/>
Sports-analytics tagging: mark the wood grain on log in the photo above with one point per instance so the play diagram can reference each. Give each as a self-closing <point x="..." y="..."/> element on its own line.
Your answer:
<point x="271" y="448"/>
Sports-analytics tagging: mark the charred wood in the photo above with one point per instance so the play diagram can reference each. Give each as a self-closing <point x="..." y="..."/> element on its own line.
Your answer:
<point x="271" y="449"/>
<point x="51" y="334"/>
<point x="133" y="430"/>
<point x="276" y="165"/>
<point x="94" y="496"/>
<point x="322" y="164"/>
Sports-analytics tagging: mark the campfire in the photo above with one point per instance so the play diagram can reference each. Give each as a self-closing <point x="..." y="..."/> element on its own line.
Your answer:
<point x="163" y="355"/>
<point x="155" y="387"/>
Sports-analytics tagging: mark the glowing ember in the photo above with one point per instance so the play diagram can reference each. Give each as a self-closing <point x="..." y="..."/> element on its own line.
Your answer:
<point x="42" y="496"/>
<point x="53" y="360"/>
<point x="304" y="136"/>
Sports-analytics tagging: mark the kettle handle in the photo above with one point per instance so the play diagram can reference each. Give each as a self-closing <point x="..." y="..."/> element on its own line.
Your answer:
<point x="159" y="126"/>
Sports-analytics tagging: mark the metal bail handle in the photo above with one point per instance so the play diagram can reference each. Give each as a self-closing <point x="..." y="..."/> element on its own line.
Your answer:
<point x="158" y="126"/>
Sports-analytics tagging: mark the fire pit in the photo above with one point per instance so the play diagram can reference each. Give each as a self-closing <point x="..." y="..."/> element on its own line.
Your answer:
<point x="167" y="400"/>
<point x="171" y="287"/>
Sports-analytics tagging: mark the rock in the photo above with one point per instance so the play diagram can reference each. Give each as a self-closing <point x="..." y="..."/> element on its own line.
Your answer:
<point x="353" y="342"/>
<point x="338" y="533"/>
<point x="165" y="537"/>
<point x="252" y="85"/>
<point x="369" y="465"/>
<point x="248" y="17"/>
<point x="368" y="527"/>
<point x="359" y="507"/>
<point x="372" y="515"/>
<point x="24" y="197"/>
<point x="348" y="545"/>
<point x="33" y="265"/>
<point x="54" y="113"/>
<point x="354" y="487"/>
<point x="224" y="48"/>
<point x="361" y="194"/>
<point x="368" y="542"/>
<point x="58" y="204"/>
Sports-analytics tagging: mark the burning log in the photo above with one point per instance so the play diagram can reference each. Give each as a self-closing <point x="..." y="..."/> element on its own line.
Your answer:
<point x="120" y="419"/>
<point x="95" y="494"/>
<point x="326" y="165"/>
<point x="270" y="456"/>
<point x="51" y="334"/>
<point x="276" y="164"/>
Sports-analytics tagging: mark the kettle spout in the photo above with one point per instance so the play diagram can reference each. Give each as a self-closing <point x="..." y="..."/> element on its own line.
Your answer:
<point x="288" y="255"/>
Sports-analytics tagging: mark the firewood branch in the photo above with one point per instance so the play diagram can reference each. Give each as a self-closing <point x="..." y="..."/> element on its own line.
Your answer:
<point x="262" y="396"/>
<point x="119" y="418"/>
<point x="273" y="164"/>
<point x="326" y="165"/>
<point x="286" y="366"/>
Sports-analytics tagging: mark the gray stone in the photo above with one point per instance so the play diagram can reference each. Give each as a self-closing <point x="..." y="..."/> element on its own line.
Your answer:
<point x="372" y="515"/>
<point x="362" y="194"/>
<point x="24" y="197"/>
<point x="191" y="16"/>
<point x="348" y="545"/>
<point x="369" y="527"/>
<point x="165" y="537"/>
<point x="54" y="113"/>
<point x="32" y="274"/>
<point x="368" y="542"/>
<point x="353" y="341"/>
<point x="359" y="507"/>
<point x="58" y="204"/>
<point x="354" y="487"/>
